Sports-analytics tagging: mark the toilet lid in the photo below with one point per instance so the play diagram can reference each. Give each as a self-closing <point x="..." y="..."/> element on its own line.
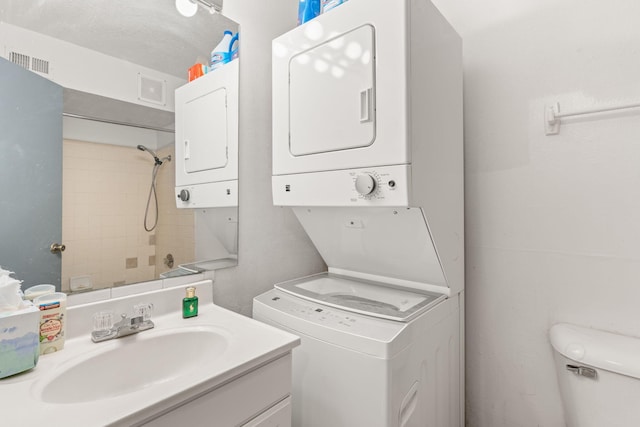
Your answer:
<point x="362" y="296"/>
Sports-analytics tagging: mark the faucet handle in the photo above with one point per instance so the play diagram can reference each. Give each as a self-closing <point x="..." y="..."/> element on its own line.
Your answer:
<point x="102" y="322"/>
<point x="145" y="310"/>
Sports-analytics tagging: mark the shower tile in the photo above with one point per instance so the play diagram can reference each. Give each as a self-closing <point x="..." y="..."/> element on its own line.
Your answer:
<point x="131" y="263"/>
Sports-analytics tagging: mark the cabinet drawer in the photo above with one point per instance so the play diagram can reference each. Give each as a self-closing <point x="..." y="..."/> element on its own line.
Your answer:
<point x="235" y="402"/>
<point x="277" y="416"/>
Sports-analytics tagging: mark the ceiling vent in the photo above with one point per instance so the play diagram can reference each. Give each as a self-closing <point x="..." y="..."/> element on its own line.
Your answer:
<point x="20" y="59"/>
<point x="152" y="90"/>
<point x="31" y="63"/>
<point x="40" y="65"/>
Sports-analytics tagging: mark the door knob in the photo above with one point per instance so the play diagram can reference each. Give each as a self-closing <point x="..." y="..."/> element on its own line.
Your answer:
<point x="57" y="247"/>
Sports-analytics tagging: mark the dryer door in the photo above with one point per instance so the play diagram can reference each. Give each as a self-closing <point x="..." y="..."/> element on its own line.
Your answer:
<point x="206" y="148"/>
<point x="332" y="95"/>
<point x="340" y="90"/>
<point x="205" y="132"/>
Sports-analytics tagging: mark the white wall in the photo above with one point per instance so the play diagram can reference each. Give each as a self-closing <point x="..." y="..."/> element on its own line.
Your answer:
<point x="273" y="247"/>
<point x="553" y="222"/>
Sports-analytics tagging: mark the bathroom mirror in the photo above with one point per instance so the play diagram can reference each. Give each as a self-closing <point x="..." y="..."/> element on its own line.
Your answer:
<point x="108" y="165"/>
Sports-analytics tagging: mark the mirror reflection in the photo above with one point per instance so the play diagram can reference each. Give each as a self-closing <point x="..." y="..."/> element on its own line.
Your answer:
<point x="121" y="223"/>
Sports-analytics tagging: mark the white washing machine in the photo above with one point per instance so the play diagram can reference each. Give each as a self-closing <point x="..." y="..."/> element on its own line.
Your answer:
<point x="368" y="153"/>
<point x="371" y="355"/>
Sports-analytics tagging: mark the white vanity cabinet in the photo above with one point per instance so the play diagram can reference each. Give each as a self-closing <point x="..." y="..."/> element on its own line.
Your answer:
<point x="259" y="398"/>
<point x="218" y="369"/>
<point x="207" y="140"/>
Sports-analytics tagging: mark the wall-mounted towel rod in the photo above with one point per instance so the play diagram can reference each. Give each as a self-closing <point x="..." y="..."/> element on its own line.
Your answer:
<point x="114" y="122"/>
<point x="552" y="115"/>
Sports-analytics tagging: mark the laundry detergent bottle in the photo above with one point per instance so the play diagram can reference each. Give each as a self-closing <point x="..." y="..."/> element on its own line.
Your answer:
<point x="220" y="54"/>
<point x="327" y="5"/>
<point x="307" y="10"/>
<point x="233" y="47"/>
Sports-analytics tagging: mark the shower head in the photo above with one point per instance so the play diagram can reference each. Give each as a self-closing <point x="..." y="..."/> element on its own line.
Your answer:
<point x="153" y="154"/>
<point x="143" y="148"/>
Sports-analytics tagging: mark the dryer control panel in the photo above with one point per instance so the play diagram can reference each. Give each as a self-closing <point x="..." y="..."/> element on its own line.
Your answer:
<point x="374" y="186"/>
<point x="209" y="195"/>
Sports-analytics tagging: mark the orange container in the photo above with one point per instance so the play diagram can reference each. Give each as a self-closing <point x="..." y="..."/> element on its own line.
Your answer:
<point x="196" y="71"/>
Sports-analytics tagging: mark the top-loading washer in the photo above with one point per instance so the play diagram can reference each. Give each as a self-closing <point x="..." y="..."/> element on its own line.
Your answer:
<point x="370" y="355"/>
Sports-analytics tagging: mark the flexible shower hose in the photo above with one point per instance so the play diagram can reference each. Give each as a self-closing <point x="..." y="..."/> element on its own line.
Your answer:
<point x="152" y="191"/>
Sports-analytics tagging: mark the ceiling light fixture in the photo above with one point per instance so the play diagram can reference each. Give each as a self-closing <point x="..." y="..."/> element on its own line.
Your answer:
<point x="189" y="8"/>
<point x="186" y="7"/>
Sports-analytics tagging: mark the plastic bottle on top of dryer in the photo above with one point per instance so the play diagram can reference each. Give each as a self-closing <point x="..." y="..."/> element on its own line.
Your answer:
<point x="327" y="5"/>
<point x="224" y="51"/>
<point x="307" y="10"/>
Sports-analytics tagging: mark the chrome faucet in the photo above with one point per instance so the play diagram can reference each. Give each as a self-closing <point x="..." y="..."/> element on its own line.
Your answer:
<point x="104" y="329"/>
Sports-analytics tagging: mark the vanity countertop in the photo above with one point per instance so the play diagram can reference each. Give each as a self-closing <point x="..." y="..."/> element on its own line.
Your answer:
<point x="248" y="344"/>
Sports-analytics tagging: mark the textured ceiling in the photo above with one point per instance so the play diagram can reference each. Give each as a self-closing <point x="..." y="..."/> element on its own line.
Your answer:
<point x="145" y="32"/>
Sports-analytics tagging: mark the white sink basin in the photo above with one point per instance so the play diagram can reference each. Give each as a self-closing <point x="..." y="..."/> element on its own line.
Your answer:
<point x="130" y="364"/>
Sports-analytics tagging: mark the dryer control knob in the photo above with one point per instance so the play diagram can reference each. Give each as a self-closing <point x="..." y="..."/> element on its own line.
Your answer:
<point x="365" y="184"/>
<point x="184" y="195"/>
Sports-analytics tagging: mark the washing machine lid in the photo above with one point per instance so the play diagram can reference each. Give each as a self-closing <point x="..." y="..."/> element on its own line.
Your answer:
<point x="376" y="243"/>
<point x="362" y="296"/>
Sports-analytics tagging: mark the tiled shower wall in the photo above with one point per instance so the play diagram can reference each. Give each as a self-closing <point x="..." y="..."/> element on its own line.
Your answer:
<point x="105" y="191"/>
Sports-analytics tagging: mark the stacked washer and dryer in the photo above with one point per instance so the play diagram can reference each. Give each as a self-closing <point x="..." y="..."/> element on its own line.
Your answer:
<point x="368" y="152"/>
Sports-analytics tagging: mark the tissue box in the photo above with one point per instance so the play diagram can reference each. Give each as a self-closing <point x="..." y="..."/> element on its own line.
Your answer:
<point x="19" y="340"/>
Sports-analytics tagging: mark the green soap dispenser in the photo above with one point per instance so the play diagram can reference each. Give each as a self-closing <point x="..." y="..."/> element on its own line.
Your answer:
<point x="190" y="303"/>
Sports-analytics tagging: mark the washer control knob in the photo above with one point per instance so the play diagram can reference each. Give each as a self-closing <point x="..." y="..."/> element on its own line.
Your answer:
<point x="184" y="195"/>
<point x="365" y="184"/>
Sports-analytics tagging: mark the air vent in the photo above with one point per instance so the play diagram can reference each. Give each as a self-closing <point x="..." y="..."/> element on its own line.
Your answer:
<point x="40" y="66"/>
<point x="20" y="59"/>
<point x="152" y="90"/>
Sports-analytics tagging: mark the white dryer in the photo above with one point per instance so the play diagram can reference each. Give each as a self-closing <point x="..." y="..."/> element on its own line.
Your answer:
<point x="371" y="355"/>
<point x="367" y="112"/>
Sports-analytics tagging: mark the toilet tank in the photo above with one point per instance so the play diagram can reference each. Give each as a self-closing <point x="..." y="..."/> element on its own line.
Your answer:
<point x="599" y="376"/>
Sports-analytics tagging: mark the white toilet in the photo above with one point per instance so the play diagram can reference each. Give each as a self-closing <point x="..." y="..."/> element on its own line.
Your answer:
<point x="599" y="376"/>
